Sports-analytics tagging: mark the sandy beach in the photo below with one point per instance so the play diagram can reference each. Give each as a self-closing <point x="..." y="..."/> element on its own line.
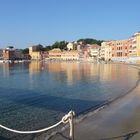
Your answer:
<point x="119" y="120"/>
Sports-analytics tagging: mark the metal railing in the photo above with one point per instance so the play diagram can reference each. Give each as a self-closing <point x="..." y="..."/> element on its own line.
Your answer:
<point x="68" y="118"/>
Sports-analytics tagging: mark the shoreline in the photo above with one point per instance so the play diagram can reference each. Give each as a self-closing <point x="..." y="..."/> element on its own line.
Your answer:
<point x="83" y="120"/>
<point x="14" y="61"/>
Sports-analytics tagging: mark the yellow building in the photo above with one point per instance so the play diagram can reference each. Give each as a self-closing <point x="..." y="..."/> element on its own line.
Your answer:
<point x="70" y="55"/>
<point x="102" y="51"/>
<point x="135" y="45"/>
<point x="35" y="55"/>
<point x="55" y="53"/>
<point x="106" y="51"/>
<point x="122" y="49"/>
<point x="63" y="55"/>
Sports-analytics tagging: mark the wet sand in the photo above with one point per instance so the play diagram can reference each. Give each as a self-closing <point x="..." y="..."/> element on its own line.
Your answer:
<point x="118" y="121"/>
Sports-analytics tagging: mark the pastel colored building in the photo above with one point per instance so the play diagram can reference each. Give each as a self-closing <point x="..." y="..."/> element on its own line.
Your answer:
<point x="115" y="50"/>
<point x="45" y="55"/>
<point x="84" y="53"/>
<point x="119" y="49"/>
<point x="122" y="49"/>
<point x="55" y="53"/>
<point x="102" y="51"/>
<point x="135" y="45"/>
<point x="9" y="53"/>
<point x="70" y="55"/>
<point x="94" y="51"/>
<point x="35" y="55"/>
<point x="106" y="51"/>
<point x="70" y="46"/>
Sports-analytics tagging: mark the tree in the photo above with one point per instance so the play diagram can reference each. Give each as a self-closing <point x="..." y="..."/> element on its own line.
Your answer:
<point x="37" y="48"/>
<point x="90" y="41"/>
<point x="47" y="48"/>
<point x="62" y="45"/>
<point x="10" y="47"/>
<point x="25" y="51"/>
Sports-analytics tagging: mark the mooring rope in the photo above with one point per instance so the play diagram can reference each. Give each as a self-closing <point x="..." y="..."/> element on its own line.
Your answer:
<point x="64" y="120"/>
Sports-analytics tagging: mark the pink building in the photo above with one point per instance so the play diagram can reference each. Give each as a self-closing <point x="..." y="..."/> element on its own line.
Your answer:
<point x="120" y="49"/>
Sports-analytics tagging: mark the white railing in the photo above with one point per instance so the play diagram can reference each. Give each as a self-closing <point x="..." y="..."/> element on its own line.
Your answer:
<point x="68" y="118"/>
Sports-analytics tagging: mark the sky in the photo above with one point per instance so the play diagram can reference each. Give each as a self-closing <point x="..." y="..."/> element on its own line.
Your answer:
<point x="24" y="23"/>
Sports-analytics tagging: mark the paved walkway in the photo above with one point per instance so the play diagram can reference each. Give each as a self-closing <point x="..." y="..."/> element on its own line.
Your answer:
<point x="118" y="121"/>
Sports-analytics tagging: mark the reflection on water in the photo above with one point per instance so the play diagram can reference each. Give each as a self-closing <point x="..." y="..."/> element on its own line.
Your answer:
<point x="35" y="67"/>
<point x="38" y="94"/>
<point x="76" y="71"/>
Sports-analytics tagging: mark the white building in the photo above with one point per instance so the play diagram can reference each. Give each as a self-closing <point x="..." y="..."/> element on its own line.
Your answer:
<point x="70" y="46"/>
<point x="95" y="51"/>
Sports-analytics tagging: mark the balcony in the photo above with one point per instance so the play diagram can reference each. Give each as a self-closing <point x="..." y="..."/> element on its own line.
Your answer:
<point x="119" y="51"/>
<point x="132" y="50"/>
<point x="134" y="45"/>
<point x="134" y="40"/>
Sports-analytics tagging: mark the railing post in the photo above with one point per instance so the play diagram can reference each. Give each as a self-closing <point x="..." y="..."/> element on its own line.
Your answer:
<point x="71" y="122"/>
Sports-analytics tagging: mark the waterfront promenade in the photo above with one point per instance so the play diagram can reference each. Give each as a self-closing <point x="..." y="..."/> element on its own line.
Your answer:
<point x="118" y="121"/>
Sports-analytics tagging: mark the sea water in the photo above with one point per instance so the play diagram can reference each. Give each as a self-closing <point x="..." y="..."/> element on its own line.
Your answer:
<point x="38" y="94"/>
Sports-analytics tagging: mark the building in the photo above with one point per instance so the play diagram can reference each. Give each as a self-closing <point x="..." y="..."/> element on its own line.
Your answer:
<point x="35" y="54"/>
<point x="115" y="50"/>
<point x="9" y="53"/>
<point x="70" y="46"/>
<point x="45" y="55"/>
<point x="84" y="53"/>
<point x="106" y="51"/>
<point x="134" y="45"/>
<point x="13" y="54"/>
<point x="120" y="49"/>
<point x="94" y="51"/>
<point x="70" y="55"/>
<point x="18" y="54"/>
<point x="55" y="53"/>
<point x="102" y="51"/>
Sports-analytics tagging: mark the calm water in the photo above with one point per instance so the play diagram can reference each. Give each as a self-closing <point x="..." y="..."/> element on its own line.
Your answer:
<point x="36" y="95"/>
